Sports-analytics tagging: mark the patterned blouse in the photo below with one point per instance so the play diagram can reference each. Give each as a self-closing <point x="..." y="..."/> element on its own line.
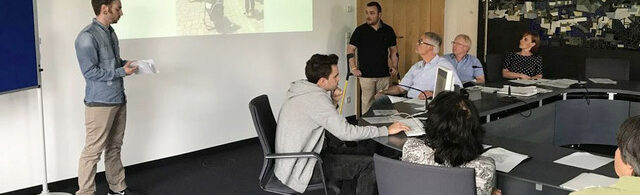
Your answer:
<point x="529" y="65"/>
<point x="415" y="151"/>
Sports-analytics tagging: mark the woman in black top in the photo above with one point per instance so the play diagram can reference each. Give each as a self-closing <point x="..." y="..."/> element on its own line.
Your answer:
<point x="524" y="64"/>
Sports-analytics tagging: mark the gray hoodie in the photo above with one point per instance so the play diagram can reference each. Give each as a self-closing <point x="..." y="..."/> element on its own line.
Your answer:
<point x="304" y="116"/>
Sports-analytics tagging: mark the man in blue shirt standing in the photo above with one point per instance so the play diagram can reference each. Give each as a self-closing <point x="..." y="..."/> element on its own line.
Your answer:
<point x="105" y="102"/>
<point x="468" y="67"/>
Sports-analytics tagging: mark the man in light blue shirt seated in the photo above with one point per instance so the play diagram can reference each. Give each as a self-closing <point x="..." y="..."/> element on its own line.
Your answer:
<point x="422" y="74"/>
<point x="467" y="66"/>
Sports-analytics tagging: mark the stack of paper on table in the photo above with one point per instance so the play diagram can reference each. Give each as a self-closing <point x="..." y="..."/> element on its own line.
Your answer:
<point x="587" y="180"/>
<point x="416" y="101"/>
<point x="519" y="91"/>
<point x="505" y="159"/>
<point x="524" y="81"/>
<point x="584" y="160"/>
<point x="603" y="81"/>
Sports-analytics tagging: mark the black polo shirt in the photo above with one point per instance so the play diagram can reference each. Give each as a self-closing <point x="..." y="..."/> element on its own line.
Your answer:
<point x="373" y="54"/>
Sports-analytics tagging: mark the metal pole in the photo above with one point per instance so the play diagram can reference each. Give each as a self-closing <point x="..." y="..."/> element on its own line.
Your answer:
<point x="45" y="187"/>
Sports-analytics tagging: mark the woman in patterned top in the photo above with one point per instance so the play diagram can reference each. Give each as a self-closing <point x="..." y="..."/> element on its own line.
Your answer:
<point x="524" y="64"/>
<point x="453" y="139"/>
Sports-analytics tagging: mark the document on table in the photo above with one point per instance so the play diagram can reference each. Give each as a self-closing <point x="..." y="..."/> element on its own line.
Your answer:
<point x="421" y="108"/>
<point x="488" y="89"/>
<point x="584" y="160"/>
<point x="505" y="160"/>
<point x="519" y="91"/>
<point x="146" y="67"/>
<point x="416" y="101"/>
<point x="559" y="83"/>
<point x="417" y="128"/>
<point x="381" y="119"/>
<point x="588" y="180"/>
<point x="395" y="99"/>
<point x="603" y="81"/>
<point x="384" y="112"/>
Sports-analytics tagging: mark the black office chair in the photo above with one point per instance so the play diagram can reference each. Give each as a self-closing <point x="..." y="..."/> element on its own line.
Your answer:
<point x="494" y="67"/>
<point x="616" y="69"/>
<point x="399" y="177"/>
<point x="265" y="124"/>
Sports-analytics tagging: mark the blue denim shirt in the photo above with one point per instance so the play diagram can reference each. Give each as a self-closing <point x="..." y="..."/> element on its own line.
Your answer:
<point x="98" y="54"/>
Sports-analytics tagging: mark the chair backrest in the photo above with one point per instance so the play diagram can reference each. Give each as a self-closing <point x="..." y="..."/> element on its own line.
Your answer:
<point x="617" y="69"/>
<point x="265" y="124"/>
<point x="494" y="67"/>
<point x="398" y="177"/>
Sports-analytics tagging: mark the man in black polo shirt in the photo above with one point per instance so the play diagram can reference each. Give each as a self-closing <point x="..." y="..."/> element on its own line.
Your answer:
<point x="375" y="42"/>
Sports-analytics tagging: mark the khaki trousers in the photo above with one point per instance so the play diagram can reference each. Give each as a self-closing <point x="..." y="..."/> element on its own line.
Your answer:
<point x="369" y="87"/>
<point x="105" y="131"/>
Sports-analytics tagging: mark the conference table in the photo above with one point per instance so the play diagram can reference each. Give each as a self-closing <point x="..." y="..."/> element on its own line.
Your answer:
<point x="539" y="125"/>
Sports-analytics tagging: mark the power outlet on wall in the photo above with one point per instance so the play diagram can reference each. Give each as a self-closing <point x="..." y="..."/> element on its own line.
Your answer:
<point x="348" y="100"/>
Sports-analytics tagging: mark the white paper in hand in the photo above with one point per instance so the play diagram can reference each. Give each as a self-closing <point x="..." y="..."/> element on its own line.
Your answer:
<point x="146" y="67"/>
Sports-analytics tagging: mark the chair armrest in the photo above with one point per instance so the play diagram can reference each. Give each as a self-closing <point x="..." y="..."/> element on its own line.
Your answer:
<point x="295" y="155"/>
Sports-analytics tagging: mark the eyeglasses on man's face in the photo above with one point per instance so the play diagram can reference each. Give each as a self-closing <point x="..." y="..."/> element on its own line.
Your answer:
<point x="422" y="42"/>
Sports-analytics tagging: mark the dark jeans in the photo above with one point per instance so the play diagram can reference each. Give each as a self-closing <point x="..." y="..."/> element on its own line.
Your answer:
<point x="340" y="167"/>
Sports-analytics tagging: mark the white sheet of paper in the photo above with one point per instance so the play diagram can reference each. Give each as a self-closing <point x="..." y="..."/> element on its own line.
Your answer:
<point x="588" y="180"/>
<point x="146" y="67"/>
<point x="378" y="119"/>
<point x="505" y="159"/>
<point x="485" y="146"/>
<point x="384" y="112"/>
<point x="584" y="160"/>
<point x="395" y="99"/>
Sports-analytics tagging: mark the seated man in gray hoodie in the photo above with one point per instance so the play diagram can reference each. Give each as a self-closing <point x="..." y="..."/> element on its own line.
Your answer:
<point x="310" y="108"/>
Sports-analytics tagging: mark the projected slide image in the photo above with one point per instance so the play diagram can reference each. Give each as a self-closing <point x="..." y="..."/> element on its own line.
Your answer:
<point x="170" y="18"/>
<point x="219" y="16"/>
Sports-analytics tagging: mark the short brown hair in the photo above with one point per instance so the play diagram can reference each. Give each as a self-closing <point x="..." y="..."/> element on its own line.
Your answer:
<point x="534" y="38"/>
<point x="375" y="4"/>
<point x="97" y="4"/>
<point x="319" y="66"/>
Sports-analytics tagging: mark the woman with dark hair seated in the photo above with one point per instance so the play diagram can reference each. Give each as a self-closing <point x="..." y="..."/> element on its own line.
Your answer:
<point x="453" y="139"/>
<point x="524" y="64"/>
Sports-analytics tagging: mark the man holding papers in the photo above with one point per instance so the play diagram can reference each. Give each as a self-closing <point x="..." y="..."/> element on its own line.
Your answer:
<point x="626" y="162"/>
<point x="105" y="102"/>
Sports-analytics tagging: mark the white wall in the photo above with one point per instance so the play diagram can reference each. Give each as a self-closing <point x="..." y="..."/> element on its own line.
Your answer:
<point x="199" y="100"/>
<point x="460" y="17"/>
